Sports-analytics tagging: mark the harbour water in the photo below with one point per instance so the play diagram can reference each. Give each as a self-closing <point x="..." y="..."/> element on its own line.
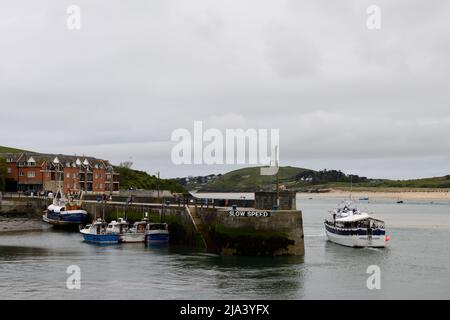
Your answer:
<point x="416" y="263"/>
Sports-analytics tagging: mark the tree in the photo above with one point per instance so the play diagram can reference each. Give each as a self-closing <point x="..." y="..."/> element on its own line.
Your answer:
<point x="2" y="173"/>
<point x="126" y="164"/>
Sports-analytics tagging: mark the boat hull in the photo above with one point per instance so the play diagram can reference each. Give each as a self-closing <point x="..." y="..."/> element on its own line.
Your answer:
<point x="132" y="237"/>
<point x="157" y="237"/>
<point x="101" y="238"/>
<point x="356" y="238"/>
<point x="72" y="217"/>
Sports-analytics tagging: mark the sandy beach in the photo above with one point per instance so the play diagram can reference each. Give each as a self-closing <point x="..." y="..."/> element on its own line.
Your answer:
<point x="397" y="195"/>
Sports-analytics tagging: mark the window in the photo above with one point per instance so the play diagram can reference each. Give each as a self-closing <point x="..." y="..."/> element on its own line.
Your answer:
<point x="101" y="186"/>
<point x="96" y="176"/>
<point x="31" y="174"/>
<point x="74" y="175"/>
<point x="9" y="170"/>
<point x="68" y="175"/>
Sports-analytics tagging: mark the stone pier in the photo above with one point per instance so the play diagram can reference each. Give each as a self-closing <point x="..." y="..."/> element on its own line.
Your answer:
<point x="221" y="230"/>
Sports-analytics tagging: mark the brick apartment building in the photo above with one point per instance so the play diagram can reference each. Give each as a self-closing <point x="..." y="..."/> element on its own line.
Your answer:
<point x="44" y="172"/>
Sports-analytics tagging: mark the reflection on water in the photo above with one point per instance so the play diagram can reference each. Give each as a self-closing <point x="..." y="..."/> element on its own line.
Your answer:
<point x="17" y="253"/>
<point x="415" y="265"/>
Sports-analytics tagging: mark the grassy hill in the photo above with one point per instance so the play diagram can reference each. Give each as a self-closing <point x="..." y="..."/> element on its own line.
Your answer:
<point x="250" y="179"/>
<point x="135" y="179"/>
<point x="11" y="150"/>
<point x="426" y="183"/>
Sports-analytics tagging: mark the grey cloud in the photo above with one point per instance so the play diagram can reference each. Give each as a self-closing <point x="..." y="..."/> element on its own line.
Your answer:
<point x="342" y="96"/>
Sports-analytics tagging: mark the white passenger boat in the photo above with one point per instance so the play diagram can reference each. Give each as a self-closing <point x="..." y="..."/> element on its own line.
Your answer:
<point x="348" y="226"/>
<point x="157" y="232"/>
<point x="127" y="234"/>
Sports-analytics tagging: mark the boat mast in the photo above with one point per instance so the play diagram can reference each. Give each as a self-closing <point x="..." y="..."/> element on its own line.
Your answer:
<point x="351" y="186"/>
<point x="58" y="179"/>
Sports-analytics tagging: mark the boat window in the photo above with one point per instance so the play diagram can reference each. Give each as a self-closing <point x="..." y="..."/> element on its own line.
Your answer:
<point x="157" y="226"/>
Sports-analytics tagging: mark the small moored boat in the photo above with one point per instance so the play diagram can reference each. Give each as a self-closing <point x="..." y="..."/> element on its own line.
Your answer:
<point x="98" y="232"/>
<point x="127" y="234"/>
<point x="348" y="226"/>
<point x="157" y="232"/>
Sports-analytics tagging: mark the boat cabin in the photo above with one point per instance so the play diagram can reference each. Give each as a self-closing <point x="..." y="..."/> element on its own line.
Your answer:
<point x="139" y="227"/>
<point x="362" y="221"/>
<point x="157" y="226"/>
<point x="119" y="226"/>
<point x="99" y="227"/>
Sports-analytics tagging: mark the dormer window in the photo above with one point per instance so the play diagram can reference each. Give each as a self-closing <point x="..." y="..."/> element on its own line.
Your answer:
<point x="31" y="162"/>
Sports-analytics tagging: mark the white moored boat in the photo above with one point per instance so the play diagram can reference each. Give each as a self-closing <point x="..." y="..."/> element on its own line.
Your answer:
<point x="127" y="234"/>
<point x="135" y="233"/>
<point x="348" y="226"/>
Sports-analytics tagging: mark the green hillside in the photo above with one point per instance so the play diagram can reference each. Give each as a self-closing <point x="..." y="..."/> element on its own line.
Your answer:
<point x="426" y="183"/>
<point x="11" y="150"/>
<point x="300" y="179"/>
<point x="250" y="179"/>
<point x="135" y="179"/>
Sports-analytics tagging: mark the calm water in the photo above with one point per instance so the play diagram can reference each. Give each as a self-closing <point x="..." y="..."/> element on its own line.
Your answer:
<point x="416" y="265"/>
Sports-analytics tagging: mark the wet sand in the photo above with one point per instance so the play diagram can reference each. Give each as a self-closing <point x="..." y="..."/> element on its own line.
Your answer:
<point x="21" y="224"/>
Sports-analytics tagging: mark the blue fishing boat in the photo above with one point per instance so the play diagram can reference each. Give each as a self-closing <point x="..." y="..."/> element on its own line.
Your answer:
<point x="65" y="212"/>
<point x="98" y="232"/>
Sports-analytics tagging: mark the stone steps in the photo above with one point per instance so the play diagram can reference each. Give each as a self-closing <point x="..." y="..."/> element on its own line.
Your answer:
<point x="201" y="228"/>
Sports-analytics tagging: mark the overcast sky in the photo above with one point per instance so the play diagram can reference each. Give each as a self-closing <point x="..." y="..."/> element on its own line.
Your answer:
<point x="369" y="102"/>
